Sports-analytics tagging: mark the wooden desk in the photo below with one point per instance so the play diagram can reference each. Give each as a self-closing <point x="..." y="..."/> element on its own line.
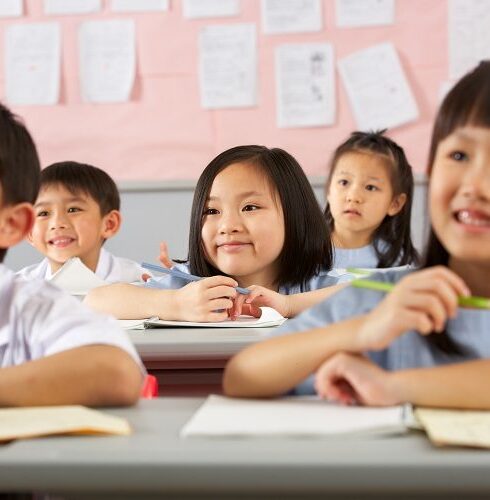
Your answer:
<point x="190" y="361"/>
<point x="156" y="463"/>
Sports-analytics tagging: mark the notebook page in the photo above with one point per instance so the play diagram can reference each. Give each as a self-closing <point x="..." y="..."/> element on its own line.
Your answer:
<point x="311" y="416"/>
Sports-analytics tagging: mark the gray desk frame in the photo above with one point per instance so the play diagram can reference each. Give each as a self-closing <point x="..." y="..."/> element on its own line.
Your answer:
<point x="156" y="463"/>
<point x="190" y="361"/>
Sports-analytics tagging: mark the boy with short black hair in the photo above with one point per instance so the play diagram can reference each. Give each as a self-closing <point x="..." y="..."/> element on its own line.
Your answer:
<point x="77" y="210"/>
<point x="53" y="350"/>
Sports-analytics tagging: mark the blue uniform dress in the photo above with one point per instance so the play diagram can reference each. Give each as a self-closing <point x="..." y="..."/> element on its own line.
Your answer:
<point x="470" y="330"/>
<point x="364" y="257"/>
<point x="168" y="282"/>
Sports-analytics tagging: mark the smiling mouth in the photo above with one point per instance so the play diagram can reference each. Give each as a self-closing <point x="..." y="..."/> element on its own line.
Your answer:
<point x="61" y="242"/>
<point x="472" y="218"/>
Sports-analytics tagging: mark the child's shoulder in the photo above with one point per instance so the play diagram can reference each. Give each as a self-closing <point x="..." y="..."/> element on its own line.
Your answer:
<point x="115" y="269"/>
<point x="38" y="270"/>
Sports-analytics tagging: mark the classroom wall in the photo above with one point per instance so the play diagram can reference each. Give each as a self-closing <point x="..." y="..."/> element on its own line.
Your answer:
<point x="164" y="133"/>
<point x="161" y="212"/>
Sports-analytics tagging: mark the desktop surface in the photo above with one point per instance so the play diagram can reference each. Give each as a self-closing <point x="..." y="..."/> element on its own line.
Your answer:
<point x="156" y="461"/>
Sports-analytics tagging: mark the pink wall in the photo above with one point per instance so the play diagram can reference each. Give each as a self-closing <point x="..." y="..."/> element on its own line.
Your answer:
<point x="164" y="134"/>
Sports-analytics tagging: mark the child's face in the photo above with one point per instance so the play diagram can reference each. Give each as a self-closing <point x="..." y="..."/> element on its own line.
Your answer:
<point x="68" y="225"/>
<point x="243" y="225"/>
<point x="460" y="194"/>
<point x="360" y="195"/>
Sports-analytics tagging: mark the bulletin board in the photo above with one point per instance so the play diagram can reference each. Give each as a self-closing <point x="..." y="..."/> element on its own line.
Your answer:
<point x="163" y="133"/>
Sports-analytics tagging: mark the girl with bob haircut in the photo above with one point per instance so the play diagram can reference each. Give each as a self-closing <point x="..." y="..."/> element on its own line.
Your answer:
<point x="368" y="347"/>
<point x="369" y="193"/>
<point x="255" y="223"/>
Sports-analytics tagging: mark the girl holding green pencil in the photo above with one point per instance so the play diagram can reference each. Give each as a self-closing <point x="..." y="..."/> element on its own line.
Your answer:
<point x="416" y="336"/>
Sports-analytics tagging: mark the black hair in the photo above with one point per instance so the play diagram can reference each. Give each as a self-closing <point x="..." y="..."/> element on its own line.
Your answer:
<point x="19" y="163"/>
<point x="82" y="178"/>
<point x="307" y="247"/>
<point x="392" y="240"/>
<point x="468" y="102"/>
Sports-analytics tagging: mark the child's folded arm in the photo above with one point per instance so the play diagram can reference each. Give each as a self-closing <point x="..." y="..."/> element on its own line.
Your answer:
<point x="274" y="367"/>
<point x="125" y="301"/>
<point x="92" y="375"/>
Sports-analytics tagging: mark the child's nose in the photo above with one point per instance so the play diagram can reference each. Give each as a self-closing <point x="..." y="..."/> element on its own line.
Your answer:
<point x="354" y="194"/>
<point x="58" y="221"/>
<point x="476" y="183"/>
<point x="230" y="224"/>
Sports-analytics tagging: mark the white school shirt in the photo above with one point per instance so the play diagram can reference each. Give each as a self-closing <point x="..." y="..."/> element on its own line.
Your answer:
<point x="37" y="319"/>
<point x="320" y="280"/>
<point x="110" y="268"/>
<point x="469" y="330"/>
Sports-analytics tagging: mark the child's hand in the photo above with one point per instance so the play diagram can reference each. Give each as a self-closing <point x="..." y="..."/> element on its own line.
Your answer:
<point x="351" y="379"/>
<point x="163" y="257"/>
<point x="206" y="300"/>
<point x="259" y="296"/>
<point x="422" y="301"/>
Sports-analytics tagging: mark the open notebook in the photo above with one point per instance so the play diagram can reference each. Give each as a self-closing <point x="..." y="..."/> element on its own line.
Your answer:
<point x="270" y="317"/>
<point x="76" y="278"/>
<point x="295" y="416"/>
<point x="21" y="423"/>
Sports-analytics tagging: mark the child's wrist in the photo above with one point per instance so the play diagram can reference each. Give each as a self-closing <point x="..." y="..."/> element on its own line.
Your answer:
<point x="398" y="388"/>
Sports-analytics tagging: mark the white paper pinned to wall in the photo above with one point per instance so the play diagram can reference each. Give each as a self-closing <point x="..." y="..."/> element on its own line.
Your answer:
<point x="107" y="60"/>
<point x="358" y="13"/>
<point x="32" y="63"/>
<point x="228" y="66"/>
<point x="11" y="8"/>
<point x="139" y="5"/>
<point x="378" y="91"/>
<point x="291" y="16"/>
<point x="469" y="35"/>
<point x="66" y="7"/>
<point x="305" y="84"/>
<point x="197" y="9"/>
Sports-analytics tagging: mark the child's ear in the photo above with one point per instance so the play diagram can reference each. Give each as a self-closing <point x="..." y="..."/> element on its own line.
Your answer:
<point x="15" y="223"/>
<point x="397" y="204"/>
<point x="111" y="224"/>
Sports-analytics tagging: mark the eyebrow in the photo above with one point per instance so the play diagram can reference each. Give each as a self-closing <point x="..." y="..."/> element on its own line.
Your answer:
<point x="246" y="194"/>
<point x="371" y="178"/>
<point x="70" y="200"/>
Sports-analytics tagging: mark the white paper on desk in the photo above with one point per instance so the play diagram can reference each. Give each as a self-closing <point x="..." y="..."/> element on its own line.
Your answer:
<point x="228" y="66"/>
<point x="32" y="63"/>
<point x="270" y="317"/>
<point x="291" y="16"/>
<point x="305" y="83"/>
<point x="358" y="13"/>
<point x="76" y="278"/>
<point x="11" y="8"/>
<point x="57" y="7"/>
<point x="469" y="35"/>
<point x="295" y="416"/>
<point x="197" y="9"/>
<point x="377" y="88"/>
<point x="107" y="60"/>
<point x="139" y="5"/>
<point x="22" y="423"/>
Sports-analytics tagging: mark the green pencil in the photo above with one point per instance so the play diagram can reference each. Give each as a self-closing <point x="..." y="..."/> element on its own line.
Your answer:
<point x="379" y="286"/>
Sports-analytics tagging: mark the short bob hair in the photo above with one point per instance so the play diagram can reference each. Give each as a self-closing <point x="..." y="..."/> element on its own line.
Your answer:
<point x="19" y="163"/>
<point x="82" y="178"/>
<point x="467" y="103"/>
<point x="307" y="248"/>
<point x="392" y="240"/>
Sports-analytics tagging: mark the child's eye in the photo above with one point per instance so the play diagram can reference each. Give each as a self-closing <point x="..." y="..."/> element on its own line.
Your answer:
<point x="372" y="187"/>
<point x="250" y="208"/>
<point x="210" y="211"/>
<point x="42" y="213"/>
<point x="343" y="182"/>
<point x="458" y="156"/>
<point x="72" y="210"/>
